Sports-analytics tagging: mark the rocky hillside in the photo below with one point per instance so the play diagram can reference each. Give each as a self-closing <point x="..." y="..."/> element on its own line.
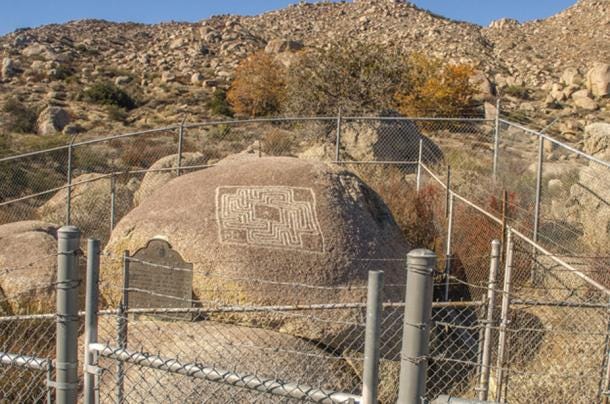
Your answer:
<point x="557" y="67"/>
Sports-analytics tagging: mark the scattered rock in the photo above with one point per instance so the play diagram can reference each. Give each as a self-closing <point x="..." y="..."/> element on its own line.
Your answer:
<point x="167" y="77"/>
<point x="485" y="88"/>
<point x="9" y="68"/>
<point x="52" y="120"/>
<point x="197" y="78"/>
<point x="122" y="80"/>
<point x="586" y="103"/>
<point x="597" y="140"/>
<point x="571" y="76"/>
<point x="283" y="45"/>
<point x="504" y="23"/>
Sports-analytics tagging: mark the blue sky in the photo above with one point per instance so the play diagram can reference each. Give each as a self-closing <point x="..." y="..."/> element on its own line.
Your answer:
<point x="32" y="13"/>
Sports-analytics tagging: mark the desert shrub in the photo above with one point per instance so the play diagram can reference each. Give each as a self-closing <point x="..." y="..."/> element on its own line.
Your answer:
<point x="517" y="91"/>
<point x="218" y="103"/>
<point x="278" y="143"/>
<point x="219" y="133"/>
<point x="436" y="89"/>
<point x="62" y="72"/>
<point x="413" y="212"/>
<point x="349" y="75"/>
<point x="105" y="93"/>
<point x="35" y="143"/>
<point x="19" y="117"/>
<point x="258" y="86"/>
<point x="116" y="113"/>
<point x="89" y="158"/>
<point x="143" y="153"/>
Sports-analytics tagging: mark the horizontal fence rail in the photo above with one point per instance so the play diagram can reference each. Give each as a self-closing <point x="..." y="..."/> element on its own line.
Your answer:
<point x="252" y="382"/>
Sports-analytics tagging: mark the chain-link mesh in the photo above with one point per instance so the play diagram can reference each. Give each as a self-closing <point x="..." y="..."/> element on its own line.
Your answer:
<point x="28" y="328"/>
<point x="453" y="185"/>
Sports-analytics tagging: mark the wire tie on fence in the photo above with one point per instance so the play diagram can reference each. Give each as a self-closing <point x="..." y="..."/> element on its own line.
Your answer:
<point x="76" y="253"/>
<point x="66" y="318"/>
<point x="68" y="284"/>
<point x="62" y="386"/>
<point x="65" y="365"/>
<point x="416" y="360"/>
<point x="421" y="326"/>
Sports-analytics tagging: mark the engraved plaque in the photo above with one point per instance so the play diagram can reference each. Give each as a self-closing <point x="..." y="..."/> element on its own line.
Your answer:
<point x="159" y="278"/>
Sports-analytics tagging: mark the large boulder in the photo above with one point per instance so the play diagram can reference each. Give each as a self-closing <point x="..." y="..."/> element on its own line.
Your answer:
<point x="598" y="79"/>
<point x="387" y="140"/>
<point x="156" y="179"/>
<point x="90" y="204"/>
<point x="271" y="231"/>
<point x="28" y="265"/>
<point x="586" y="204"/>
<point x="52" y="120"/>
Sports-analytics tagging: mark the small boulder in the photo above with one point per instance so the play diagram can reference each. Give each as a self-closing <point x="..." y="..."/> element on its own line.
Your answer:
<point x="283" y="45"/>
<point x="168" y="77"/>
<point x="598" y="79"/>
<point x="91" y="202"/>
<point x="155" y="180"/>
<point x="9" y="68"/>
<point x="387" y="140"/>
<point x="483" y="85"/>
<point x="52" y="120"/>
<point x="28" y="288"/>
<point x="597" y="140"/>
<point x="122" y="80"/>
<point x="586" y="103"/>
<point x="196" y="78"/>
<point x="571" y="77"/>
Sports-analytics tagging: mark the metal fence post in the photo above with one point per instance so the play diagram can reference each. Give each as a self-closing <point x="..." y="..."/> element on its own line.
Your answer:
<point x="504" y="322"/>
<point x="372" y="338"/>
<point x="112" y="201"/>
<point x="421" y="265"/>
<point x="122" y="329"/>
<point x="180" y="146"/>
<point x="91" y="307"/>
<point x="419" y="163"/>
<point x="496" y="141"/>
<point x="489" y="321"/>
<point x="66" y="362"/>
<point x="338" y="145"/>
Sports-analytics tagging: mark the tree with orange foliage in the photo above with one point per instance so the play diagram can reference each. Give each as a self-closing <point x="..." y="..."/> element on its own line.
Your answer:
<point x="436" y="89"/>
<point x="258" y="86"/>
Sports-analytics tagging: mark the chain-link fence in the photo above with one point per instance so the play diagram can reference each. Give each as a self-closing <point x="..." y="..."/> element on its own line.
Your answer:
<point x="453" y="185"/>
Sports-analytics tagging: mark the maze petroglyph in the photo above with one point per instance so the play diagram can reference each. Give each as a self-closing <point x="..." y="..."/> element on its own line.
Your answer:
<point x="269" y="216"/>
